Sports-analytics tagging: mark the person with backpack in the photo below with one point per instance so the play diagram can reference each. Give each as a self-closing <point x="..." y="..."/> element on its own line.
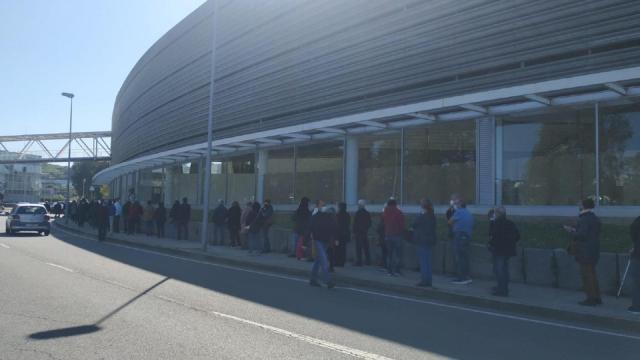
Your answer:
<point x="634" y="268"/>
<point x="424" y="237"/>
<point x="503" y="236"/>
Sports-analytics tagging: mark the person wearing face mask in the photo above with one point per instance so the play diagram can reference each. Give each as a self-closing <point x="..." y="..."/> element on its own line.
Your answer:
<point x="585" y="246"/>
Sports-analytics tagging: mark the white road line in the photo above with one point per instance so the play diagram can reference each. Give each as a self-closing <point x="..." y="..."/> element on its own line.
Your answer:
<point x="5" y="246"/>
<point x="390" y="296"/>
<point x="305" y="338"/>
<point x="60" y="267"/>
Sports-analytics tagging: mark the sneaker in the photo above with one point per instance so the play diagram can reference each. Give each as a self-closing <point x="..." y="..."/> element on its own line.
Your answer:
<point x="634" y="310"/>
<point x="462" y="282"/>
<point x="314" y="283"/>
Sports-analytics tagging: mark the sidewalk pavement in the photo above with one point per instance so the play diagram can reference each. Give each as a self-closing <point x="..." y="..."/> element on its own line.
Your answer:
<point x="528" y="300"/>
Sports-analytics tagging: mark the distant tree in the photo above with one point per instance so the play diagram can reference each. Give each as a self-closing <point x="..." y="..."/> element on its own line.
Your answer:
<point x="85" y="170"/>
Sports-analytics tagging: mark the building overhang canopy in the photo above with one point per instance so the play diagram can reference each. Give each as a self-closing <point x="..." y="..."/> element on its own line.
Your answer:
<point x="604" y="86"/>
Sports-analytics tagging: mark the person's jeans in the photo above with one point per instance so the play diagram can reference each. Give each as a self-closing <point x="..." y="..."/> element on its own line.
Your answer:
<point x="321" y="263"/>
<point x="293" y="241"/>
<point x="266" y="246"/>
<point x="461" y="246"/>
<point x="394" y="253"/>
<point x="218" y="234"/>
<point x="590" y="280"/>
<point x="254" y="241"/>
<point x="634" y="274"/>
<point x="501" y="271"/>
<point x="424" y="258"/>
<point x="362" y="246"/>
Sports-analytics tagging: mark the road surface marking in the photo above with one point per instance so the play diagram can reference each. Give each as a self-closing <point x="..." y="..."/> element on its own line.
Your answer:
<point x="305" y="338"/>
<point x="389" y="296"/>
<point x="5" y="246"/>
<point x="60" y="267"/>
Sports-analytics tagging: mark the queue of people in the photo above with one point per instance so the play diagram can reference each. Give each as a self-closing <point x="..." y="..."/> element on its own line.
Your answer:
<point x="321" y="235"/>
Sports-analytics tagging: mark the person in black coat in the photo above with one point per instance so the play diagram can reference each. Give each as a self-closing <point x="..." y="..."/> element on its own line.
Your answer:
<point x="503" y="235"/>
<point x="424" y="237"/>
<point x="233" y="223"/>
<point x="102" y="219"/>
<point x="160" y="218"/>
<point x="183" y="217"/>
<point x="586" y="248"/>
<point x="344" y="234"/>
<point x="324" y="230"/>
<point x="219" y="219"/>
<point x="255" y="224"/>
<point x="301" y="229"/>
<point x="361" y="226"/>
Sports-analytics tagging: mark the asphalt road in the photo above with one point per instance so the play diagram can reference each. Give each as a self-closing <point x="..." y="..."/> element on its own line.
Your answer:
<point x="65" y="297"/>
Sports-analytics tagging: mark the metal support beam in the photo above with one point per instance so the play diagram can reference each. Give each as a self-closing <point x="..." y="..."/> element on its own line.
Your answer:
<point x="476" y="108"/>
<point x="431" y="117"/>
<point x="373" y="123"/>
<point x="333" y="131"/>
<point x="539" y="99"/>
<point x="298" y="136"/>
<point x="616" y="88"/>
<point x="269" y="141"/>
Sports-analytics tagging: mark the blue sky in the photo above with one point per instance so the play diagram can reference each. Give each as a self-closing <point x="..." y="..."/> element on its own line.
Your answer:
<point x="82" y="46"/>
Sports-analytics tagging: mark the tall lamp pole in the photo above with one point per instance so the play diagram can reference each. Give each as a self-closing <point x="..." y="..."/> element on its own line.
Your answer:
<point x="70" y="96"/>
<point x="207" y="173"/>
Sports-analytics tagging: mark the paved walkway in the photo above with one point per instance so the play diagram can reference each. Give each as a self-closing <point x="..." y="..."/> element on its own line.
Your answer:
<point x="531" y="300"/>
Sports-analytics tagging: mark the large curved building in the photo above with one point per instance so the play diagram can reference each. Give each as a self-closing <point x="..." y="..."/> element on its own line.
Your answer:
<point x="530" y="104"/>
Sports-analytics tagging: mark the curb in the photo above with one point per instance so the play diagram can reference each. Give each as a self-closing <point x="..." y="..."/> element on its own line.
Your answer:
<point x="609" y="323"/>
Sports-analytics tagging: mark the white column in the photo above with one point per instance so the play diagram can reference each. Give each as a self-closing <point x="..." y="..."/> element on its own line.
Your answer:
<point x="351" y="170"/>
<point x="261" y="169"/>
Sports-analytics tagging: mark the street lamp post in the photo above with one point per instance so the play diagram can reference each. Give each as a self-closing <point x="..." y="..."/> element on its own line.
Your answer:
<point x="70" y="96"/>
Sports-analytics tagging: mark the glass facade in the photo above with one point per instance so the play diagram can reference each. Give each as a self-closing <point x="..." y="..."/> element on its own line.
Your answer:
<point x="241" y="179"/>
<point x="379" y="167"/>
<point x="150" y="185"/>
<point x="619" y="155"/>
<point x="548" y="158"/>
<point x="184" y="182"/>
<point x="440" y="160"/>
<point x="544" y="158"/>
<point x="279" y="177"/>
<point x="319" y="172"/>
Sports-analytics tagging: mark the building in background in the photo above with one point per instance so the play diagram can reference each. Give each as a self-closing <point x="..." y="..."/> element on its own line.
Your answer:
<point x="531" y="105"/>
<point x="20" y="182"/>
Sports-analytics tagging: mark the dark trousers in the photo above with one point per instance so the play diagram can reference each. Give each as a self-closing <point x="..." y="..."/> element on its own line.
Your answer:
<point x="634" y="273"/>
<point x="501" y="271"/>
<point x="160" y="228"/>
<point x="234" y="237"/>
<point x="341" y="253"/>
<point x="131" y="226"/>
<point x="590" y="281"/>
<point x="116" y="223"/>
<point x="102" y="232"/>
<point x="125" y="224"/>
<point x="362" y="246"/>
<point x="183" y="229"/>
<point x="266" y="246"/>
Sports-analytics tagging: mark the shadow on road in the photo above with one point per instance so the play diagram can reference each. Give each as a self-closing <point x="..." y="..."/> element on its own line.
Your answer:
<point x="89" y="329"/>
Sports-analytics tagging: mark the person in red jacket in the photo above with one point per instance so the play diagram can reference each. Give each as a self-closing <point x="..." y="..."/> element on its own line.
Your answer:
<point x="393" y="232"/>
